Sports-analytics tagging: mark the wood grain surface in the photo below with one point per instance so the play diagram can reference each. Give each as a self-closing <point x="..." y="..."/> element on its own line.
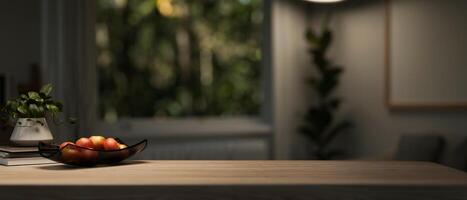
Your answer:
<point x="238" y="179"/>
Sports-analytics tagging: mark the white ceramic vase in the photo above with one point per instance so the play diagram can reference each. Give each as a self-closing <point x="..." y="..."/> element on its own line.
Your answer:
<point x="31" y="131"/>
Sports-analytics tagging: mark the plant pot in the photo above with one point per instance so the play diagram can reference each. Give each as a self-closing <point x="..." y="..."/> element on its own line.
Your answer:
<point x="31" y="131"/>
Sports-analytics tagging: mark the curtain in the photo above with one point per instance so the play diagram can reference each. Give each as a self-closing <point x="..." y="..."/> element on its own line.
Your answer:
<point x="65" y="53"/>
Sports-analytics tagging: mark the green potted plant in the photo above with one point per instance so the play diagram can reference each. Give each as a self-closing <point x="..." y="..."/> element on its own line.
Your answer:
<point x="29" y="112"/>
<point x="321" y="124"/>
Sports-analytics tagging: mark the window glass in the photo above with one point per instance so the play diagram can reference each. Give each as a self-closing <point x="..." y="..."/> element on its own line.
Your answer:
<point x="178" y="58"/>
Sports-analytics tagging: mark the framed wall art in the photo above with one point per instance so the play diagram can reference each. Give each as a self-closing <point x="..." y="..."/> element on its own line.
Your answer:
<point x="426" y="54"/>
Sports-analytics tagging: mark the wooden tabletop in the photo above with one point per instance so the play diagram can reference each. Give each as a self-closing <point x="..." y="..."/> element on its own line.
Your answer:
<point x="237" y="173"/>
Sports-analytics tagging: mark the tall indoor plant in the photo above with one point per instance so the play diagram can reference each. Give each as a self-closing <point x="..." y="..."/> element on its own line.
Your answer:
<point x="29" y="112"/>
<point x="321" y="126"/>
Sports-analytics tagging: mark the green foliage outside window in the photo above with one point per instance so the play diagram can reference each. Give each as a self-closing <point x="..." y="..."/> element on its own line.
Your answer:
<point x="178" y="58"/>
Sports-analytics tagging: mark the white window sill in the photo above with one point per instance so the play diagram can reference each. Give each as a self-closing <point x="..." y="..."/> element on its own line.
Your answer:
<point x="187" y="128"/>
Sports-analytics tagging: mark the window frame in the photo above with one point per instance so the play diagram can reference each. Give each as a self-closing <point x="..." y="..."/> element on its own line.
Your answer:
<point x="260" y="126"/>
<point x="68" y="61"/>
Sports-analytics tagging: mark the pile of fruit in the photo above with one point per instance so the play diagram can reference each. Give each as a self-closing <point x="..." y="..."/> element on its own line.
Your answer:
<point x="72" y="153"/>
<point x="97" y="143"/>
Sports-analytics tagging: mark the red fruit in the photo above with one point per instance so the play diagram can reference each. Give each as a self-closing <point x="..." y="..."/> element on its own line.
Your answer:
<point x="98" y="142"/>
<point x="111" y="144"/>
<point x="84" y="142"/>
<point x="64" y="144"/>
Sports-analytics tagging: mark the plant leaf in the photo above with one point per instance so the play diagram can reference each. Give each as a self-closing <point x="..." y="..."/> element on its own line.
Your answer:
<point x="325" y="40"/>
<point x="40" y="100"/>
<point x="59" y="105"/>
<point x="12" y="106"/>
<point x="334" y="103"/>
<point x="312" y="38"/>
<point x="41" y="110"/>
<point x="34" y="109"/>
<point x="46" y="89"/>
<point x="336" y="130"/>
<point x="22" y="109"/>
<point x="34" y="95"/>
<point x="52" y="108"/>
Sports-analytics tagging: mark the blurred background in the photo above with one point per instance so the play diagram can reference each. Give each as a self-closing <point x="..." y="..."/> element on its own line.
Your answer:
<point x="249" y="79"/>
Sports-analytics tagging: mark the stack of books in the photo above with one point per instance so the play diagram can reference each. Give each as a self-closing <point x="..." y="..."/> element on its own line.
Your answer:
<point x="14" y="156"/>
